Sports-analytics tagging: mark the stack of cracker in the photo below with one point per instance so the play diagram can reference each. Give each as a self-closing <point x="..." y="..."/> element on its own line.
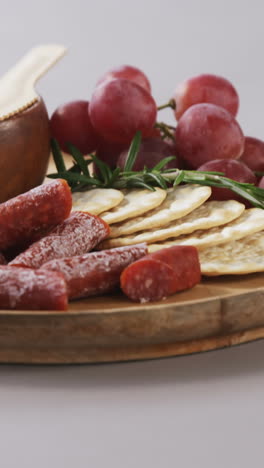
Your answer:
<point x="229" y="237"/>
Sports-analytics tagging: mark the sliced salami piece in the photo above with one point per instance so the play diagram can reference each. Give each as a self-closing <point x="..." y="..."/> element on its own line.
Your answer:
<point x="95" y="272"/>
<point x="77" y="235"/>
<point x="26" y="216"/>
<point x="23" y="288"/>
<point x="161" y="274"/>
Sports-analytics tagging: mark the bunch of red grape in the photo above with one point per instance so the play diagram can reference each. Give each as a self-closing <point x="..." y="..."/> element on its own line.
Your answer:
<point x="207" y="136"/>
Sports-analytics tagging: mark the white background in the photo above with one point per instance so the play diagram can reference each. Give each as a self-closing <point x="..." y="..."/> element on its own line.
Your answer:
<point x="198" y="411"/>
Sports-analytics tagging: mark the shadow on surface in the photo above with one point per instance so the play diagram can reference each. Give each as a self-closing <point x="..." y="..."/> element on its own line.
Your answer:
<point x="239" y="361"/>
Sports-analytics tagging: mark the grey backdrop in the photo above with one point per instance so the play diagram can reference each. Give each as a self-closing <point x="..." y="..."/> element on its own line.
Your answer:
<point x="198" y="411"/>
<point x="169" y="39"/>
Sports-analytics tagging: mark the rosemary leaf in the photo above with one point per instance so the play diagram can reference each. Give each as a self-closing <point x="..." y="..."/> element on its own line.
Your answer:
<point x="131" y="173"/>
<point x="160" y="181"/>
<point x="134" y="181"/>
<point x="133" y="152"/>
<point x="104" y="169"/>
<point x="75" y="168"/>
<point x="253" y="194"/>
<point x="179" y="178"/>
<point x="246" y="193"/>
<point x="79" y="158"/>
<point x="73" y="177"/>
<point x="163" y="163"/>
<point x="57" y="156"/>
<point x="114" y="176"/>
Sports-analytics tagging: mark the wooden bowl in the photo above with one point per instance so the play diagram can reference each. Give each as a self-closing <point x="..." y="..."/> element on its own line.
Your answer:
<point x="24" y="150"/>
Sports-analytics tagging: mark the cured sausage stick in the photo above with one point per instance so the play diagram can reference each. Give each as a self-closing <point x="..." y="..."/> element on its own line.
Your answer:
<point x="26" y="289"/>
<point x="77" y="235"/>
<point x="96" y="272"/>
<point x="34" y="212"/>
<point x="161" y="274"/>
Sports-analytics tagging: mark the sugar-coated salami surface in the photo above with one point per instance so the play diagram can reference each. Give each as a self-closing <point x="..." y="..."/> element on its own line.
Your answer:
<point x="77" y="235"/>
<point x="34" y="212"/>
<point x="23" y="288"/>
<point x="2" y="259"/>
<point x="161" y="274"/>
<point x="95" y="272"/>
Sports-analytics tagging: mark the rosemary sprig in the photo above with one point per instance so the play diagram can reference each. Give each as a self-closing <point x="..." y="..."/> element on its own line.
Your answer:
<point x="79" y="177"/>
<point x="57" y="156"/>
<point x="133" y="152"/>
<point x="79" y="159"/>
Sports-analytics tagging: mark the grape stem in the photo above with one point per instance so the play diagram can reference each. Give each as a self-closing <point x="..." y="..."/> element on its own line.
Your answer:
<point x="165" y="129"/>
<point x="171" y="103"/>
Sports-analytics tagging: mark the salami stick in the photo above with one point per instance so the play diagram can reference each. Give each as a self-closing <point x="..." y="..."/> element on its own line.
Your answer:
<point x="23" y="288"/>
<point x="161" y="274"/>
<point x="77" y="235"/>
<point x="34" y="212"/>
<point x="95" y="272"/>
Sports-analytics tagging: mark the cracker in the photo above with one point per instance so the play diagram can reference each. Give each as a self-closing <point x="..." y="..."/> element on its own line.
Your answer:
<point x="97" y="200"/>
<point x="210" y="214"/>
<point x="135" y="203"/>
<point x="250" y="222"/>
<point x="235" y="258"/>
<point x="179" y="202"/>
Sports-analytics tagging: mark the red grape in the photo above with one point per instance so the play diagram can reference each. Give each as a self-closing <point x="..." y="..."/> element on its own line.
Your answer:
<point x="153" y="132"/>
<point x="109" y="152"/>
<point x="207" y="132"/>
<point x="179" y="163"/>
<point x="151" y="152"/>
<point x="253" y="154"/>
<point x="232" y="169"/>
<point x="206" y="88"/>
<point x="157" y="145"/>
<point x="119" y="108"/>
<point x="129" y="73"/>
<point x="261" y="183"/>
<point x="70" y="123"/>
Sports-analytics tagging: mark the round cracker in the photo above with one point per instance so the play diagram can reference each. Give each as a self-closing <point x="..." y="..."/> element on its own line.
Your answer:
<point x="135" y="203"/>
<point x="210" y="214"/>
<point x="249" y="222"/>
<point x="234" y="258"/>
<point x="97" y="200"/>
<point x="179" y="202"/>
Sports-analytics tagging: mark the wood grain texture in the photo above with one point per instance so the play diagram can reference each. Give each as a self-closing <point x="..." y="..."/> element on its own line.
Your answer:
<point x="217" y="313"/>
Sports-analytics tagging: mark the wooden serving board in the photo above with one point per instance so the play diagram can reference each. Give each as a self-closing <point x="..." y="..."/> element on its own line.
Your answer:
<point x="216" y="313"/>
